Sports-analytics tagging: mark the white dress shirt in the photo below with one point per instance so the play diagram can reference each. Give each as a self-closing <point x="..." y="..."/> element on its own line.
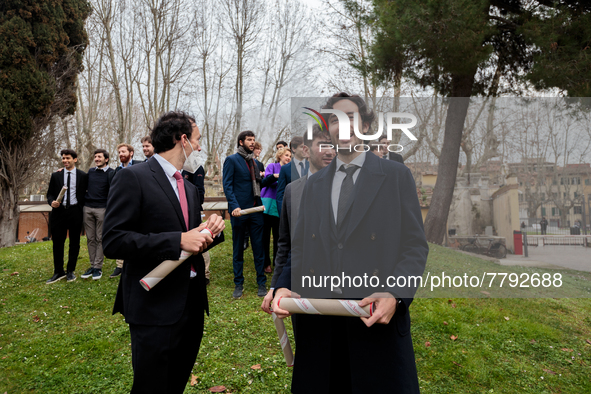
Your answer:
<point x="339" y="177"/>
<point x="169" y="170"/>
<point x="72" y="189"/>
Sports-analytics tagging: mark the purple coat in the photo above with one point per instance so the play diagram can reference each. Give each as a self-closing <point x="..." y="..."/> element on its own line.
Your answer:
<point x="271" y="191"/>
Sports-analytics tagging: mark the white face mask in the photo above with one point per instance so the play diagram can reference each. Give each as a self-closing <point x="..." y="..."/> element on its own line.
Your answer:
<point x="195" y="160"/>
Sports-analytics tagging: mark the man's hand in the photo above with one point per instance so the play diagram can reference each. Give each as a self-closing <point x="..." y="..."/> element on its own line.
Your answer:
<point x="276" y="175"/>
<point x="195" y="242"/>
<point x="283" y="292"/>
<point x="385" y="308"/>
<point x="215" y="224"/>
<point x="266" y="305"/>
<point x="55" y="204"/>
<point x="236" y="212"/>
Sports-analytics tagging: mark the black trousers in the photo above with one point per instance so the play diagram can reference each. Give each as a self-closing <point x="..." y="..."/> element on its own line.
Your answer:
<point x="271" y="225"/>
<point x="62" y="222"/>
<point x="163" y="356"/>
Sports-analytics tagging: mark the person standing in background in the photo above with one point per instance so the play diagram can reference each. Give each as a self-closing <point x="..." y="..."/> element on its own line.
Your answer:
<point x="99" y="181"/>
<point x="293" y="170"/>
<point x="147" y="147"/>
<point x="242" y="182"/>
<point x="271" y="214"/>
<point x="125" y="152"/>
<point x="66" y="217"/>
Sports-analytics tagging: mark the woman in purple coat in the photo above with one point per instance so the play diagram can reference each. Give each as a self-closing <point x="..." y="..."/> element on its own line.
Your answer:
<point x="268" y="196"/>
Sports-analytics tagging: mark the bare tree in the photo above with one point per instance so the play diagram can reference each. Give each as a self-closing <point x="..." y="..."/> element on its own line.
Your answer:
<point x="243" y="19"/>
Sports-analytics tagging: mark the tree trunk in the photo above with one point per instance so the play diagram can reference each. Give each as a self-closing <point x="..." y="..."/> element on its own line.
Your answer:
<point x="9" y="213"/>
<point x="436" y="220"/>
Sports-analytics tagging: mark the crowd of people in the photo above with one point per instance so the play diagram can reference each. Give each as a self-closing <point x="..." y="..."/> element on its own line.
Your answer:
<point x="327" y="207"/>
<point x="83" y="207"/>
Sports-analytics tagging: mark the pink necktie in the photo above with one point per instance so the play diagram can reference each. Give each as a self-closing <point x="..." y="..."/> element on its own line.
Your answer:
<point x="182" y="197"/>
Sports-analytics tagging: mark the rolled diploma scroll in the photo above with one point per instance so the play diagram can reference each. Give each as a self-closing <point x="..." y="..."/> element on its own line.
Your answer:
<point x="283" y="339"/>
<point x="247" y="211"/>
<point x="317" y="306"/>
<point x="60" y="197"/>
<point x="165" y="268"/>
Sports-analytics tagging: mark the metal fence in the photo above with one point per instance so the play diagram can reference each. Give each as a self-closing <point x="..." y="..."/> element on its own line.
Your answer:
<point x="575" y="222"/>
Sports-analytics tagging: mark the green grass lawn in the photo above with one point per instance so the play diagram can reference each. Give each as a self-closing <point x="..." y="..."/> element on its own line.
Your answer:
<point x="62" y="338"/>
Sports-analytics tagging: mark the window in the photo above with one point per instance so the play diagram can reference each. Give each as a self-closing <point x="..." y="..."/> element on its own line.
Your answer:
<point x="520" y="197"/>
<point x="543" y="196"/>
<point x="564" y="195"/>
<point x="555" y="212"/>
<point x="576" y="181"/>
<point x="578" y="210"/>
<point x="543" y="211"/>
<point x="587" y="182"/>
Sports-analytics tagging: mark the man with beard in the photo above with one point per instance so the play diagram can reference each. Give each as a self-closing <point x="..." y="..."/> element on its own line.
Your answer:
<point x="359" y="216"/>
<point x="154" y="223"/>
<point x="99" y="182"/>
<point x="320" y="155"/>
<point x="242" y="187"/>
<point x="125" y="152"/>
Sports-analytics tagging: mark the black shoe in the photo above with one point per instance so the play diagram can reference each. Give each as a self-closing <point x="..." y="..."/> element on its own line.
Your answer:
<point x="262" y="291"/>
<point x="237" y="292"/>
<point x="116" y="273"/>
<point x="88" y="273"/>
<point x="97" y="274"/>
<point x="55" y="278"/>
<point x="70" y="277"/>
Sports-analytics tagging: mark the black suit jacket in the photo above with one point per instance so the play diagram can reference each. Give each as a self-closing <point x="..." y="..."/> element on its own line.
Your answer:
<point x="396" y="157"/>
<point x="56" y="183"/>
<point x="143" y="226"/>
<point x="383" y="235"/>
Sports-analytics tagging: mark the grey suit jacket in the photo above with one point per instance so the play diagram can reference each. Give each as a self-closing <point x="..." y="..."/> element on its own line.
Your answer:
<point x="291" y="199"/>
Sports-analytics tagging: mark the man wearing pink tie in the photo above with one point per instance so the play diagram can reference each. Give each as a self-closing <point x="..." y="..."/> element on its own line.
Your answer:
<point x="154" y="223"/>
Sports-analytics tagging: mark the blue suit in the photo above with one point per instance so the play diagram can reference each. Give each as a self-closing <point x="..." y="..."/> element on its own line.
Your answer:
<point x="287" y="174"/>
<point x="239" y="194"/>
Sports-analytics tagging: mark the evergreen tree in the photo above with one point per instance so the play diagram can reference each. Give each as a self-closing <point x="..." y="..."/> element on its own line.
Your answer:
<point x="41" y="47"/>
<point x="461" y="48"/>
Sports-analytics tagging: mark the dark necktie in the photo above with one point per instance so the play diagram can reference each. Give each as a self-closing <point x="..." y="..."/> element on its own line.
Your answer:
<point x="302" y="169"/>
<point x="346" y="194"/>
<point x="68" y="192"/>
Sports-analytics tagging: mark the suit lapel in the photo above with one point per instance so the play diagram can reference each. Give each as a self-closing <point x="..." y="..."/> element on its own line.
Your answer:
<point x="368" y="184"/>
<point x="243" y="164"/>
<point x="162" y="180"/>
<point x="323" y="186"/>
<point x="191" y="200"/>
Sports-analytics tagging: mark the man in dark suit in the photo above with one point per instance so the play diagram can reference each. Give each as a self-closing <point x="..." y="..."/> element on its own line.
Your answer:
<point x="242" y="187"/>
<point x="154" y="223"/>
<point x="319" y="157"/>
<point x="384" y="143"/>
<point x="293" y="170"/>
<point x="125" y="152"/>
<point x="359" y="217"/>
<point x="66" y="217"/>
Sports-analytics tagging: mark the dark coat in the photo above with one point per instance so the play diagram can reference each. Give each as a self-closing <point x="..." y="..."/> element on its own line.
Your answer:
<point x="56" y="183"/>
<point x="238" y="184"/>
<point x="143" y="226"/>
<point x="287" y="175"/>
<point x="383" y="235"/>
